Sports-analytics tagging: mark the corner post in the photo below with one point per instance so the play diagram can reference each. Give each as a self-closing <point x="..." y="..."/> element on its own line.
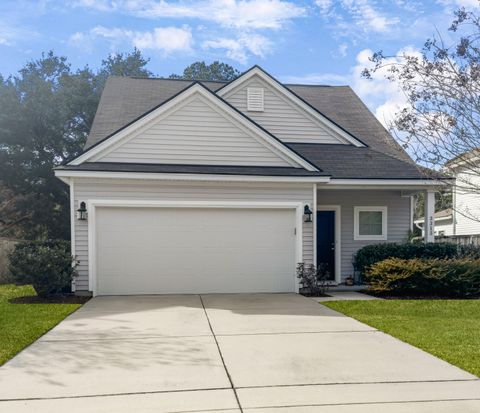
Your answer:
<point x="429" y="223"/>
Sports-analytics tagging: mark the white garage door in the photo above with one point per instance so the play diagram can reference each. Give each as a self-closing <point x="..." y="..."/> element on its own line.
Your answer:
<point x="194" y="250"/>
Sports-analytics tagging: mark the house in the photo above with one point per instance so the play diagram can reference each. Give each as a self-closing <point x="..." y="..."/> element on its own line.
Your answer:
<point x="189" y="187"/>
<point x="463" y="220"/>
<point x="444" y="226"/>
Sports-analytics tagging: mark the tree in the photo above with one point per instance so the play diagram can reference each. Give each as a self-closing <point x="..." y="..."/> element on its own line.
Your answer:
<point x="441" y="119"/>
<point x="46" y="112"/>
<point x="201" y="71"/>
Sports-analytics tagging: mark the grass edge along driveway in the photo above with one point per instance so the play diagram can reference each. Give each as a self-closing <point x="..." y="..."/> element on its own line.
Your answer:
<point x="22" y="324"/>
<point x="448" y="329"/>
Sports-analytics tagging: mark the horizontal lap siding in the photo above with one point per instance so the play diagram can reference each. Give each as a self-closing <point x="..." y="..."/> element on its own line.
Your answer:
<point x="398" y="214"/>
<point x="467" y="204"/>
<point x="147" y="190"/>
<point x="284" y="119"/>
<point x="195" y="134"/>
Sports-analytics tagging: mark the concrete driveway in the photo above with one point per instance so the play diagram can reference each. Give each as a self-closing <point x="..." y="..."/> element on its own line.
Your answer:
<point x="226" y="353"/>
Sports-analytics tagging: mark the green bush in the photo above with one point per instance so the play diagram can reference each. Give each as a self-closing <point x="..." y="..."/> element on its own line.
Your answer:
<point x="47" y="265"/>
<point x="371" y="254"/>
<point x="437" y="277"/>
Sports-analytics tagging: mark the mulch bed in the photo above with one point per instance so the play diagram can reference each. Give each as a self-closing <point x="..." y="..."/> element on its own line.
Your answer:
<point x="58" y="299"/>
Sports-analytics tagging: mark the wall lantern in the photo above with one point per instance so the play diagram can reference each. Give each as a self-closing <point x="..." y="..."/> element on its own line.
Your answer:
<point x="82" y="212"/>
<point x="307" y="214"/>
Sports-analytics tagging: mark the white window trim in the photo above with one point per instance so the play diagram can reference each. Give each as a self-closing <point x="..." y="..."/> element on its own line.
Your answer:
<point x="356" y="223"/>
<point x="93" y="204"/>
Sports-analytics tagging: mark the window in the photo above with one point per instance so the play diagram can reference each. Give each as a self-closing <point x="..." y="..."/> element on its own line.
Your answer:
<point x="370" y="223"/>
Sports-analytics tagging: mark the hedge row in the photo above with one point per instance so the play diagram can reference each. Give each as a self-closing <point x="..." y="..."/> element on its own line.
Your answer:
<point x="438" y="277"/>
<point x="371" y="254"/>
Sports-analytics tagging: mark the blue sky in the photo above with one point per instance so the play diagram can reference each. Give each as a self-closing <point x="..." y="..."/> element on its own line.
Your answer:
<point x="317" y="41"/>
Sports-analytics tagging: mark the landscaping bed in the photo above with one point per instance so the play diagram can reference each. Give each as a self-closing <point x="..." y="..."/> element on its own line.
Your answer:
<point x="22" y="324"/>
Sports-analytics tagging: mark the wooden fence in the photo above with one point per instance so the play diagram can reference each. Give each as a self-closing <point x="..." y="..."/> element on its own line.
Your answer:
<point x="460" y="239"/>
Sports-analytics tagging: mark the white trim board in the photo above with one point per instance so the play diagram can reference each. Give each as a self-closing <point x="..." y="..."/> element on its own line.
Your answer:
<point x="338" y="238"/>
<point x="356" y="223"/>
<point x="231" y="87"/>
<point x="231" y="114"/>
<point x="92" y="204"/>
<point x="65" y="173"/>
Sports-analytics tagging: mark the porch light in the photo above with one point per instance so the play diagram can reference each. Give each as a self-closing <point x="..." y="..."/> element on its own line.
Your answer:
<point x="82" y="212"/>
<point x="307" y="214"/>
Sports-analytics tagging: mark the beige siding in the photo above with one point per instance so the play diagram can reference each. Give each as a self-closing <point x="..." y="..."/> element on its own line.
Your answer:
<point x="467" y="205"/>
<point x="283" y="118"/>
<point x="398" y="214"/>
<point x="148" y="190"/>
<point x="196" y="133"/>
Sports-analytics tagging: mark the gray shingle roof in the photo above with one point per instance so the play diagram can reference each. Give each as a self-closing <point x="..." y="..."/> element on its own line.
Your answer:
<point x="126" y="99"/>
<point x="350" y="162"/>
<point x="192" y="169"/>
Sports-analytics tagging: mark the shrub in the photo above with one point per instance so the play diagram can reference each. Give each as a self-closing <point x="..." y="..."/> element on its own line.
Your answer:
<point x="47" y="265"/>
<point x="371" y="254"/>
<point x="439" y="277"/>
<point x="313" y="279"/>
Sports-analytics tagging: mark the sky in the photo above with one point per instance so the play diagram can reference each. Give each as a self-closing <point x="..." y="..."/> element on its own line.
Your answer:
<point x="316" y="41"/>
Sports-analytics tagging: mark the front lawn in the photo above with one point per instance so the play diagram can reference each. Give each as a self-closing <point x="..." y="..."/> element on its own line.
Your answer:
<point x="448" y="329"/>
<point x="22" y="324"/>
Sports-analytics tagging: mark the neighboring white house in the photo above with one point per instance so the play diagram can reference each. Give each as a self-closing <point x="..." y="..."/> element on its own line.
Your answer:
<point x="216" y="187"/>
<point x="443" y="223"/>
<point x="464" y="218"/>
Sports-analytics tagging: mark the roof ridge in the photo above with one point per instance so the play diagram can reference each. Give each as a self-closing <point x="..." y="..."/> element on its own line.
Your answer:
<point x="222" y="81"/>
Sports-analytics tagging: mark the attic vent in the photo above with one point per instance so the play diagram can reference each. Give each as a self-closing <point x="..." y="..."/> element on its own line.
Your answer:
<point x="255" y="99"/>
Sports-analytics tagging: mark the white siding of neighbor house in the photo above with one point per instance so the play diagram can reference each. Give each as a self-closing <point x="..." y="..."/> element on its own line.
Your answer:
<point x="398" y="214"/>
<point x="87" y="189"/>
<point x="283" y="118"/>
<point x="467" y="205"/>
<point x="195" y="133"/>
<point x="442" y="228"/>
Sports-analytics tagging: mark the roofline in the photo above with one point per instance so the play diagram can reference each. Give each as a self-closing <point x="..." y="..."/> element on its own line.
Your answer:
<point x="65" y="173"/>
<point x="296" y="96"/>
<point x="288" y="151"/>
<point x="67" y="161"/>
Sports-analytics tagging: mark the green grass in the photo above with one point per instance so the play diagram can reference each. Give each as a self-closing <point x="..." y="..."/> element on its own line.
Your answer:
<point x="448" y="329"/>
<point x="22" y="324"/>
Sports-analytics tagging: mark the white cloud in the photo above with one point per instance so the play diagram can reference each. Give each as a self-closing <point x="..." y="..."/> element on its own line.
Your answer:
<point x="252" y="14"/>
<point x="239" y="48"/>
<point x="164" y="39"/>
<point x="168" y="39"/>
<point x="361" y="15"/>
<point x="383" y="96"/>
<point x="461" y="3"/>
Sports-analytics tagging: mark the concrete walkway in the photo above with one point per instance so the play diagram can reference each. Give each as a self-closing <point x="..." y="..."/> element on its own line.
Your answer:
<point x="226" y="353"/>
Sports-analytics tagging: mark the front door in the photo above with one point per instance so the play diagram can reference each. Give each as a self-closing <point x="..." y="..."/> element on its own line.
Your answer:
<point x="326" y="242"/>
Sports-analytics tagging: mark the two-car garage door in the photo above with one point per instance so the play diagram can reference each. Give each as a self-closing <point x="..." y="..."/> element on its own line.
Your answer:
<point x="155" y="250"/>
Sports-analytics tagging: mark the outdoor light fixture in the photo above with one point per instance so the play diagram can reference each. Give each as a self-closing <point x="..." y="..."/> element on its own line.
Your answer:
<point x="82" y="212"/>
<point x="307" y="214"/>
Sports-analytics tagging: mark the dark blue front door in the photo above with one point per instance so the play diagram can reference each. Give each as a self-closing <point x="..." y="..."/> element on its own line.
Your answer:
<point x="326" y="242"/>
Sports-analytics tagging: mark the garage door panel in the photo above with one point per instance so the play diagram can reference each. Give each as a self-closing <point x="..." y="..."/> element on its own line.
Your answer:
<point x="194" y="250"/>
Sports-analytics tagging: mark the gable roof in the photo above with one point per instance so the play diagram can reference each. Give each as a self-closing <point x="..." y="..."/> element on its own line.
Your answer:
<point x="293" y="98"/>
<point x="125" y="98"/>
<point x="195" y="88"/>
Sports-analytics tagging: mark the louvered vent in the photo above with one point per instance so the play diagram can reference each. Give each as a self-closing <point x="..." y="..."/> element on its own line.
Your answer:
<point x="255" y="99"/>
